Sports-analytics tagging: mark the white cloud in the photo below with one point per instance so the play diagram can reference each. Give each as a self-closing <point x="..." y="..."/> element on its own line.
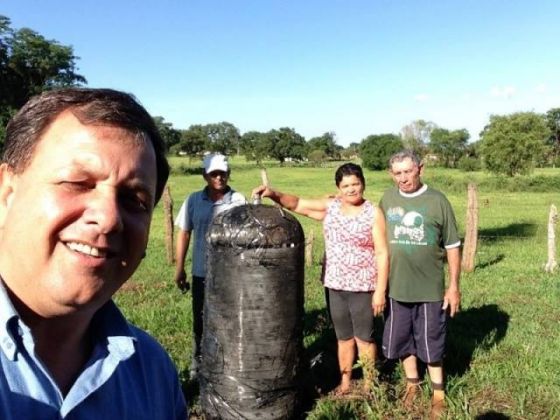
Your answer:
<point x="505" y="92"/>
<point x="541" y="88"/>
<point x="422" y="97"/>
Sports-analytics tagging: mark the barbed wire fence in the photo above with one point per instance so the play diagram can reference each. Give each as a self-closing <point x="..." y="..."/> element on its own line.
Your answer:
<point x="473" y="235"/>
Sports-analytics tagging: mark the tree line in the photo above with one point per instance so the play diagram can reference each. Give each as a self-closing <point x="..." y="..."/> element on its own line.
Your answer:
<point x="282" y="144"/>
<point x="509" y="144"/>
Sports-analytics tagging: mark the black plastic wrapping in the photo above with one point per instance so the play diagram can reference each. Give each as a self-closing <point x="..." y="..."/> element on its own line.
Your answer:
<point x="253" y="314"/>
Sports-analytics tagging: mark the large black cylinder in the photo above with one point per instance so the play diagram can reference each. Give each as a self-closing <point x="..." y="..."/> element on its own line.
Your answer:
<point x="253" y="314"/>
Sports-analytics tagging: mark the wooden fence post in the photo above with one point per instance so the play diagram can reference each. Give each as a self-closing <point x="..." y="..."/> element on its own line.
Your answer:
<point x="551" y="265"/>
<point x="471" y="230"/>
<point x="168" y="221"/>
<point x="309" y="249"/>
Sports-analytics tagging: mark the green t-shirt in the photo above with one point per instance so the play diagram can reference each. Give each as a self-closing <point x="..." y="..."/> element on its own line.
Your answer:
<point x="420" y="226"/>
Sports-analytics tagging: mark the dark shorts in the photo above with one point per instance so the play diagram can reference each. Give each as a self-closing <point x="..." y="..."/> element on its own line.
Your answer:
<point x="351" y="314"/>
<point x="415" y="329"/>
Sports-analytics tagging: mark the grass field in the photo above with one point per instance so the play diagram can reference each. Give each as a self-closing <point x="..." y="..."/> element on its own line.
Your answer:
<point x="503" y="353"/>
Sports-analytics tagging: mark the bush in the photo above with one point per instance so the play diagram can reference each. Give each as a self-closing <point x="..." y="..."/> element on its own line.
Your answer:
<point x="317" y="157"/>
<point x="375" y="150"/>
<point x="469" y="164"/>
<point x="185" y="169"/>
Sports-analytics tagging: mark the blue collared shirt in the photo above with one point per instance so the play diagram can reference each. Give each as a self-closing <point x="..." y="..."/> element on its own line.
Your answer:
<point x="196" y="215"/>
<point x="128" y="376"/>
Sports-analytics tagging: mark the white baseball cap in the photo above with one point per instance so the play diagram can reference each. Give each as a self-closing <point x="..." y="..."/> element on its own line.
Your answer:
<point x="215" y="162"/>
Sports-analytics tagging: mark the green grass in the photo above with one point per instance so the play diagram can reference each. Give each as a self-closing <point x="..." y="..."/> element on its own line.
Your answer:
<point x="503" y="347"/>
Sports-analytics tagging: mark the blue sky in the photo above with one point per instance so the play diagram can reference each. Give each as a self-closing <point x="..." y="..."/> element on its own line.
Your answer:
<point x="353" y="67"/>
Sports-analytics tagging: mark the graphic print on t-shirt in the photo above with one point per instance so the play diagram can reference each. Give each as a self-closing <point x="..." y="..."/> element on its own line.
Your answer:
<point x="408" y="228"/>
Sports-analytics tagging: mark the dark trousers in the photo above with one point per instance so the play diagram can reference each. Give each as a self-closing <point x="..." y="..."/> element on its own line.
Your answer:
<point x="197" y="308"/>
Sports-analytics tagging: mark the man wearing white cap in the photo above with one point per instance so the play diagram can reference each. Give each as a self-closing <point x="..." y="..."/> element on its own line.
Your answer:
<point x="195" y="215"/>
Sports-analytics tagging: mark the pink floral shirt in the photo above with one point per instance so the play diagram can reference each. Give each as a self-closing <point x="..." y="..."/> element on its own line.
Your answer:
<point x="350" y="257"/>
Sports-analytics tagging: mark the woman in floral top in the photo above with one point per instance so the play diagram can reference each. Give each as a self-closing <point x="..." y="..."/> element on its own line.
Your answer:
<point x="356" y="263"/>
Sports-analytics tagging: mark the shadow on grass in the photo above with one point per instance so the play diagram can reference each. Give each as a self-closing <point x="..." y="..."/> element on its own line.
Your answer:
<point x="512" y="231"/>
<point x="320" y="372"/>
<point x="475" y="328"/>
<point x="320" y="364"/>
<point x="492" y="415"/>
<point x="495" y="260"/>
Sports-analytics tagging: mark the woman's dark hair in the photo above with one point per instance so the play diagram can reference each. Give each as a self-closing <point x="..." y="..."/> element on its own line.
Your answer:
<point x="349" y="169"/>
<point x="91" y="107"/>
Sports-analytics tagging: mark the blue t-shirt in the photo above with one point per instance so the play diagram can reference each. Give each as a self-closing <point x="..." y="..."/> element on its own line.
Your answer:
<point x="196" y="215"/>
<point x="128" y="376"/>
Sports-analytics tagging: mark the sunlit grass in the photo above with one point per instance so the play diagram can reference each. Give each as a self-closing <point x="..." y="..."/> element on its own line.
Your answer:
<point x="503" y="347"/>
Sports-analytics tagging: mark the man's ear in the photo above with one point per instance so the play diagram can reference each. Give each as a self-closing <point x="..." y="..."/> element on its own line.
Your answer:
<point x="421" y="169"/>
<point x="7" y="190"/>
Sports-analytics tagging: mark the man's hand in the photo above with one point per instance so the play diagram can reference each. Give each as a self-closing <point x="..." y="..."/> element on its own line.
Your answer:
<point x="181" y="281"/>
<point x="452" y="300"/>
<point x="378" y="302"/>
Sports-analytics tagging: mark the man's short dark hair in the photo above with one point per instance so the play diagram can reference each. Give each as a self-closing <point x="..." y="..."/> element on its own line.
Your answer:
<point x="349" y="169"/>
<point x="405" y="154"/>
<point x="102" y="107"/>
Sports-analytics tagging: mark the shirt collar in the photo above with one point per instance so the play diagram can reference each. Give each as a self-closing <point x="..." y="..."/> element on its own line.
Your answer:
<point x="416" y="193"/>
<point x="113" y="330"/>
<point x="108" y="324"/>
<point x="8" y="317"/>
<point x="225" y="199"/>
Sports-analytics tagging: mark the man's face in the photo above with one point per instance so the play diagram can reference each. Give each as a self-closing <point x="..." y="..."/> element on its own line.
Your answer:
<point x="217" y="180"/>
<point x="75" y="223"/>
<point x="406" y="175"/>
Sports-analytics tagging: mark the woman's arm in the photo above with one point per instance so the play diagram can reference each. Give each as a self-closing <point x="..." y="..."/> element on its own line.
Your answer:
<point x="313" y="208"/>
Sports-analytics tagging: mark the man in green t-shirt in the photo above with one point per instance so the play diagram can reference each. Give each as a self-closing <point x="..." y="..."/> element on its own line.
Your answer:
<point x="421" y="232"/>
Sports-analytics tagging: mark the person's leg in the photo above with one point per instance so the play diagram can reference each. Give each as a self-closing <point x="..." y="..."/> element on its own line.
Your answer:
<point x="197" y="311"/>
<point x="435" y="370"/>
<point x="432" y="322"/>
<point x="367" y="353"/>
<point x="410" y="366"/>
<point x="362" y="324"/>
<point x="346" y="355"/>
<point x="412" y="390"/>
<point x="340" y="315"/>
<point x="398" y="343"/>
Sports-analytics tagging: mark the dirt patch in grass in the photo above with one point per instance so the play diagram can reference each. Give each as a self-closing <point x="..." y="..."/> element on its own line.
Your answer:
<point x="490" y="400"/>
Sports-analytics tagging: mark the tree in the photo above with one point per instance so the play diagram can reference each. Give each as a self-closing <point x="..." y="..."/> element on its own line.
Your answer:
<point x="286" y="143"/>
<point x="193" y="141"/>
<point x="416" y="135"/>
<point x="317" y="157"/>
<point x="511" y="144"/>
<point x="30" y="64"/>
<point x="170" y="136"/>
<point x="553" y="123"/>
<point x="351" y="152"/>
<point x="326" y="144"/>
<point x="255" y="146"/>
<point x="223" y="138"/>
<point x="449" y="146"/>
<point x="376" y="150"/>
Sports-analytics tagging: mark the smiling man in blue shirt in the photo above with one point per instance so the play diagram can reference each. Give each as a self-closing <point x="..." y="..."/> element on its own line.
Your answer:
<point x="81" y="173"/>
